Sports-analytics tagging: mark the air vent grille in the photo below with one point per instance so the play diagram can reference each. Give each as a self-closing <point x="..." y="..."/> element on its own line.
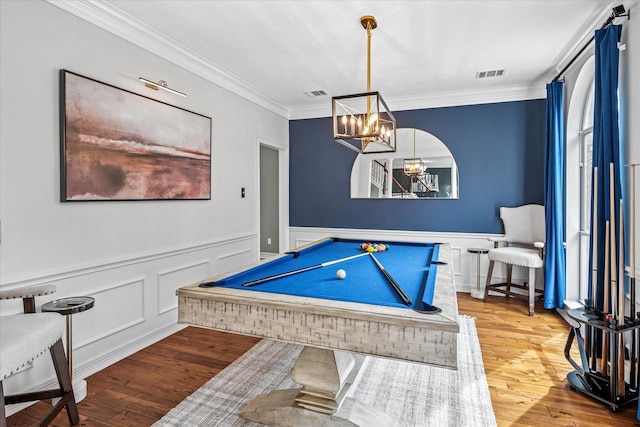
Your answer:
<point x="314" y="93"/>
<point x="490" y="73"/>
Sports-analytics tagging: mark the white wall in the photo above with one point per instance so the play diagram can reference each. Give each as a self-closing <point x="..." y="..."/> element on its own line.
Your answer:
<point x="130" y="256"/>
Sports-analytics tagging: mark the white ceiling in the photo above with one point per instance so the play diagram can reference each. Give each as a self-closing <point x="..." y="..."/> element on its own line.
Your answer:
<point x="424" y="53"/>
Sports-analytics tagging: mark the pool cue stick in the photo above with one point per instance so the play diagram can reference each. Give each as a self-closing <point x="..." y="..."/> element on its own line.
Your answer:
<point x="621" y="266"/>
<point x="594" y="240"/>
<point x="621" y="356"/>
<point x="394" y="284"/>
<point x="605" y="303"/>
<point x="611" y="255"/>
<point x="300" y="270"/>
<point x="632" y="276"/>
<point x="613" y="250"/>
<point x="614" y="280"/>
<point x="594" y="267"/>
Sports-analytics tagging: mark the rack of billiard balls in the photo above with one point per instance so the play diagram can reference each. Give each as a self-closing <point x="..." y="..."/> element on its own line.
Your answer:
<point x="374" y="247"/>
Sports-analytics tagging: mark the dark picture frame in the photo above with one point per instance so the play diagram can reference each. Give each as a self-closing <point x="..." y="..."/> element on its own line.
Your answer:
<point x="119" y="145"/>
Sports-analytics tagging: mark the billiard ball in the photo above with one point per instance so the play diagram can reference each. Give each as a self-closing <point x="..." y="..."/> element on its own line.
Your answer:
<point x="341" y="274"/>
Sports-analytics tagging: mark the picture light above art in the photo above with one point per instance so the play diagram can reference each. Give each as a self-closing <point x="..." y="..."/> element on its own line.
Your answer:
<point x="160" y="85"/>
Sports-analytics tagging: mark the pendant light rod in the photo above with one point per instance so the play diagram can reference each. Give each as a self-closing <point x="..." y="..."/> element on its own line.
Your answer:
<point x="368" y="23"/>
<point x="363" y="121"/>
<point x="414" y="142"/>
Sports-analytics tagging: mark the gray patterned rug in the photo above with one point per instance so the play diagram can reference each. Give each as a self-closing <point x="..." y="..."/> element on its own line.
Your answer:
<point x="417" y="395"/>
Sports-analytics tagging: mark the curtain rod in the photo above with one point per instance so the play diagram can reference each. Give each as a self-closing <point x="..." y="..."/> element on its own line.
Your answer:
<point x="617" y="12"/>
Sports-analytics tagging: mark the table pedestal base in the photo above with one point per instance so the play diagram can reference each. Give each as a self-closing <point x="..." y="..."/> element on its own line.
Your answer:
<point x="279" y="408"/>
<point x="479" y="294"/>
<point x="325" y="376"/>
<point x="79" y="390"/>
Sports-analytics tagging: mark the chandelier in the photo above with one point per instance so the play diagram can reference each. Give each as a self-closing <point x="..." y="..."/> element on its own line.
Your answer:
<point x="415" y="166"/>
<point x="363" y="121"/>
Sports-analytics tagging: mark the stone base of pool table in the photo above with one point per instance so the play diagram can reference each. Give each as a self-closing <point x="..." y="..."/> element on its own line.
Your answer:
<point x="397" y="333"/>
<point x="279" y="408"/>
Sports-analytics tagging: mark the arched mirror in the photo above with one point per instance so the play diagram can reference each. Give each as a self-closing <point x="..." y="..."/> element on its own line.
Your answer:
<point x="422" y="167"/>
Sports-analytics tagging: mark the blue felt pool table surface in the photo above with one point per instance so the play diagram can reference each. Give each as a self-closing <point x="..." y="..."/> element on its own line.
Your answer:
<point x="412" y="265"/>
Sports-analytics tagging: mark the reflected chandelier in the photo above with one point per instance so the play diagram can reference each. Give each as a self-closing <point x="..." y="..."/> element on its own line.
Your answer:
<point x="363" y="121"/>
<point x="415" y="166"/>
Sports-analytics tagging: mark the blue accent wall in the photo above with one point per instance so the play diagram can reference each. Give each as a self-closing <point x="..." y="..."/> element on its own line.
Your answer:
<point x="499" y="150"/>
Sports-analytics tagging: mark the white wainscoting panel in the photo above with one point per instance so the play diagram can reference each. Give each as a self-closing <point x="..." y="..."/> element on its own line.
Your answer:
<point x="170" y="280"/>
<point x="105" y="319"/>
<point x="456" y="256"/>
<point x="232" y="260"/>
<point x="135" y="303"/>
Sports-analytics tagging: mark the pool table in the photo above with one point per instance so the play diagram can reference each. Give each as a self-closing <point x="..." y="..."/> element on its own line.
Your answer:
<point x="332" y="317"/>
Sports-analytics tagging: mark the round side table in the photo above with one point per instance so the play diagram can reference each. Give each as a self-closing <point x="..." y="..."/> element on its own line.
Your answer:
<point x="477" y="293"/>
<point x="68" y="307"/>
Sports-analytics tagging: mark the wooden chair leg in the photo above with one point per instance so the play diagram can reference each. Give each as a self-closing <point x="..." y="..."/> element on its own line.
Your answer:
<point x="29" y="304"/>
<point x="532" y="290"/>
<point x="486" y="286"/>
<point x="67" y="399"/>
<point x="509" y="276"/>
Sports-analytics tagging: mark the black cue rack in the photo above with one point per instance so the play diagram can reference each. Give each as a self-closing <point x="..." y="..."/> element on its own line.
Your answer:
<point x="588" y="377"/>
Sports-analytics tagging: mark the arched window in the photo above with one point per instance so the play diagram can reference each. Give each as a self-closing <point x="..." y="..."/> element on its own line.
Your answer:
<point x="586" y="155"/>
<point x="578" y="181"/>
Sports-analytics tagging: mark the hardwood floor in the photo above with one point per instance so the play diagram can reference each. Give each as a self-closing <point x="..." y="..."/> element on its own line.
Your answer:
<point x="523" y="358"/>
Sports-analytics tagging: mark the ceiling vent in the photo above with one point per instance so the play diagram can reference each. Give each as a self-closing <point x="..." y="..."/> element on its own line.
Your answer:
<point x="491" y="73"/>
<point x="314" y="93"/>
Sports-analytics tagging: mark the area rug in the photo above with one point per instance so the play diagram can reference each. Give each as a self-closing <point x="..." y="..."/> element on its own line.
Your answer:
<point x="417" y="395"/>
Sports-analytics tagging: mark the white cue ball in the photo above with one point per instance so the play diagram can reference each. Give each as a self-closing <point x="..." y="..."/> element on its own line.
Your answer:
<point x="341" y="274"/>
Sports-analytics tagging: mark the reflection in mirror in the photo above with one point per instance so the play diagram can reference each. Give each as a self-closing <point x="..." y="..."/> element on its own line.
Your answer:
<point x="382" y="175"/>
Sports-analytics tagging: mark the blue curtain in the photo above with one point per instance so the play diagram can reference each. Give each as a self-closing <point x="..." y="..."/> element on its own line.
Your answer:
<point x="606" y="151"/>
<point x="554" y="197"/>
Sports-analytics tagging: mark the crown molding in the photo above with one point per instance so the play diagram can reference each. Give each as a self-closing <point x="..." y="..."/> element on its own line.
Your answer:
<point x="484" y="96"/>
<point x="122" y="25"/>
<point x="114" y="21"/>
<point x="436" y="100"/>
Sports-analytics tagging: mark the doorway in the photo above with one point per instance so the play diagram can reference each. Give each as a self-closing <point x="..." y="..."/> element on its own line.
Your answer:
<point x="269" y="201"/>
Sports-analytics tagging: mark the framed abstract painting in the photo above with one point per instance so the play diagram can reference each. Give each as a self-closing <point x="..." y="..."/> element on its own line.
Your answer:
<point x="118" y="145"/>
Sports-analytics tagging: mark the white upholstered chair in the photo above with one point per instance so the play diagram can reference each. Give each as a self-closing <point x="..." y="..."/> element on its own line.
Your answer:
<point x="25" y="336"/>
<point x="522" y="245"/>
